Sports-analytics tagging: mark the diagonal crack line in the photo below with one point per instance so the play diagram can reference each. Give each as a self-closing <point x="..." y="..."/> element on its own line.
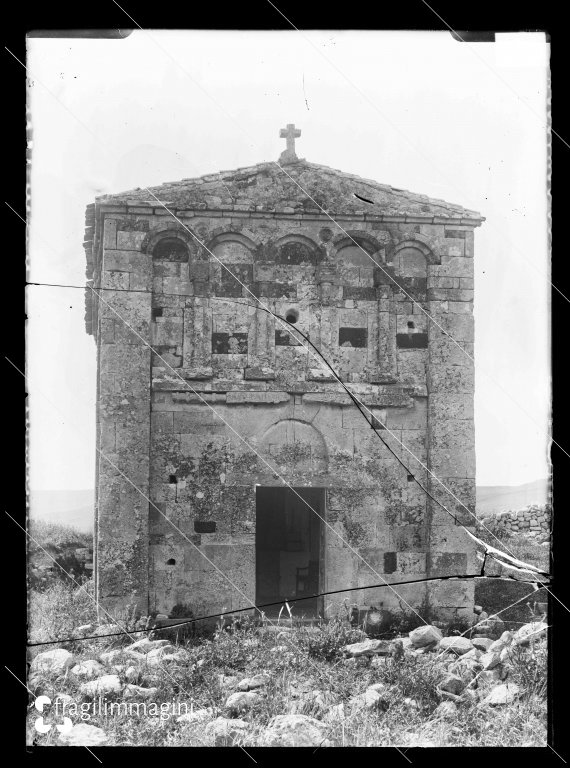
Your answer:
<point x="464" y="576"/>
<point x="490" y="551"/>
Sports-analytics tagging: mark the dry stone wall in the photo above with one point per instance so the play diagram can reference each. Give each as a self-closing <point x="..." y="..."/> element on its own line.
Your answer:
<point x="534" y="520"/>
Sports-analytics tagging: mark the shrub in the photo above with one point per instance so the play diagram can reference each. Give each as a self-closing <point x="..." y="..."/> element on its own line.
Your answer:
<point x="328" y="642"/>
<point x="56" y="611"/>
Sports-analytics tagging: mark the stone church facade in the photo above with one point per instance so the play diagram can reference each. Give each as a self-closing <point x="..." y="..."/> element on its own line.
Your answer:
<point x="207" y="405"/>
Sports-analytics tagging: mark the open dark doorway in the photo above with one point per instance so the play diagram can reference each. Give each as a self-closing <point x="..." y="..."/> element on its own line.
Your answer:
<point x="288" y="546"/>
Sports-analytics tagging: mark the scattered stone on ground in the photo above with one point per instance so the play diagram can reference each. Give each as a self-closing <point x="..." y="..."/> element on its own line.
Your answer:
<point x="109" y="657"/>
<point x="54" y="662"/>
<point x="295" y="731"/>
<point x="88" y="669"/>
<point x="505" y="693"/>
<point x="369" y="648"/>
<point x="427" y="636"/>
<point x="457" y="645"/>
<point x="529" y="633"/>
<point x="132" y="674"/>
<point x="372" y="698"/>
<point x="158" y="659"/>
<point x="490" y="659"/>
<point x="252" y="683"/>
<point x="146" y="645"/>
<point x="84" y="629"/>
<point x="101" y="686"/>
<point x="225" y="731"/>
<point x="197" y="716"/>
<point x="481" y="643"/>
<point x="504" y="640"/>
<point x="84" y="735"/>
<point x="242" y="701"/>
<point x="452" y="684"/>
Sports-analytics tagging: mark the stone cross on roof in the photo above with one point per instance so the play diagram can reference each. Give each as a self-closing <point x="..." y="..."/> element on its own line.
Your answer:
<point x="290" y="133"/>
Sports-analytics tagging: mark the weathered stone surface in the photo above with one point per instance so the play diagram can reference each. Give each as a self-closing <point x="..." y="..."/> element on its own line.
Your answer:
<point x="426" y="636"/>
<point x="361" y="298"/>
<point x="84" y="735"/>
<point x="457" y="645"/>
<point x="482" y="643"/>
<point x="146" y="645"/>
<point x="502" y="694"/>
<point x="369" y="648"/>
<point x="54" y="662"/>
<point x="226" y="732"/>
<point x="242" y="701"/>
<point x="452" y="684"/>
<point x="490" y="659"/>
<point x="102" y="686"/>
<point x="197" y="716"/>
<point x="88" y="668"/>
<point x="252" y="683"/>
<point x="529" y="633"/>
<point x="295" y="731"/>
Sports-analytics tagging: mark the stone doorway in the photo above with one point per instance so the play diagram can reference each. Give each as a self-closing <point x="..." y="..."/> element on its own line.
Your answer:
<point x="289" y="549"/>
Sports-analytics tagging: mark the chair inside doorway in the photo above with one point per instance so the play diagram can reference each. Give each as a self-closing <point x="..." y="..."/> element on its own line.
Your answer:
<point x="288" y="549"/>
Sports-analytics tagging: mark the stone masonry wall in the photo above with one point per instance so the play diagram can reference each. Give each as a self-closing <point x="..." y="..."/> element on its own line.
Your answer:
<point x="156" y="426"/>
<point x="534" y="520"/>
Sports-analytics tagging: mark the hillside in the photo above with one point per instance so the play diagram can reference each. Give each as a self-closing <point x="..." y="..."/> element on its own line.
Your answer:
<point x="494" y="498"/>
<point x="70" y="508"/>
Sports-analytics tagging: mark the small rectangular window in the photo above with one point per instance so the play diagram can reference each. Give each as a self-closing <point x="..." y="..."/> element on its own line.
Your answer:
<point x="204" y="526"/>
<point x="352" y="337"/>
<point x="229" y="343"/>
<point x="411" y="340"/>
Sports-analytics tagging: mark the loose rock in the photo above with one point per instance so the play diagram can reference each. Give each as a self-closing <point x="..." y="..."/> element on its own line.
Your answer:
<point x="425" y="637"/>
<point x="83" y="735"/>
<point x="295" y="731"/>
<point x="146" y="645"/>
<point x="54" y="662"/>
<point x="242" y="701"/>
<point x="102" y="686"/>
<point x="482" y="643"/>
<point x="252" y="683"/>
<point x="502" y="694"/>
<point x="529" y="633"/>
<point x="226" y="732"/>
<point x="452" y="684"/>
<point x="88" y="669"/>
<point x="198" y="716"/>
<point x="457" y="645"/>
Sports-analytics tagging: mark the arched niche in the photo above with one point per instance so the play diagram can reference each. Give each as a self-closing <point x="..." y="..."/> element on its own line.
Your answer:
<point x="295" y="444"/>
<point x="170" y="249"/>
<point x="169" y="244"/>
<point x="232" y="248"/>
<point x="357" y="249"/>
<point x="410" y="258"/>
<point x="295" y="250"/>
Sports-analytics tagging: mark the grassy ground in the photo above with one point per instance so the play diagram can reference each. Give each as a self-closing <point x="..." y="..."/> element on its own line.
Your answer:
<point x="299" y="663"/>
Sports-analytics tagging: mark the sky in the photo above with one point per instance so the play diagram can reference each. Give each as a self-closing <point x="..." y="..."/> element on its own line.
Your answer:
<point x="464" y="122"/>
